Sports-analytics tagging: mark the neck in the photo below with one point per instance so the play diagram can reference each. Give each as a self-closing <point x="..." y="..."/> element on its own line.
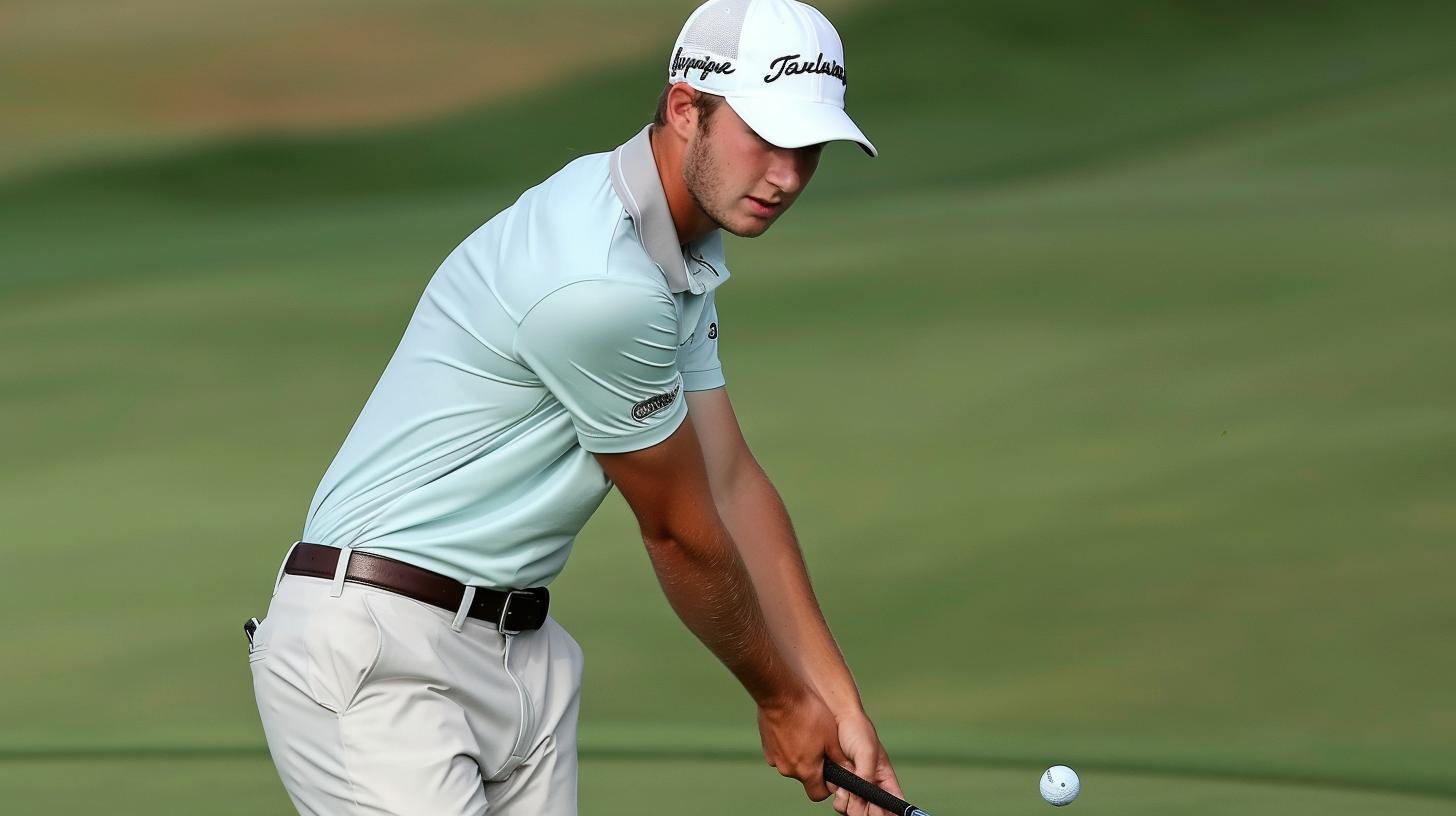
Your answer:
<point x="688" y="218"/>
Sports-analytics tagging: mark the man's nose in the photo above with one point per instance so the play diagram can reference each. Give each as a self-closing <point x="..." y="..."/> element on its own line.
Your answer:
<point x="786" y="169"/>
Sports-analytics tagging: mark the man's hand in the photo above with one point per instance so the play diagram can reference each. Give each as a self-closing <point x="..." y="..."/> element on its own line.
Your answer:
<point x="797" y="734"/>
<point x="866" y="757"/>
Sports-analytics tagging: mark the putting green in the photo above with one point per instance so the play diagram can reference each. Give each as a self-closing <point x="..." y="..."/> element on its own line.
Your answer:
<point x="618" y="787"/>
<point x="1112" y="404"/>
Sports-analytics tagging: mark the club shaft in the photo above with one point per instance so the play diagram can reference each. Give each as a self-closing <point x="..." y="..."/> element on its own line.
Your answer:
<point x="868" y="791"/>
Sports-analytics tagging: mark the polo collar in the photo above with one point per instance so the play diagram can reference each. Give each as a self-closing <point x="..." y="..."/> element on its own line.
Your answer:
<point x="634" y="177"/>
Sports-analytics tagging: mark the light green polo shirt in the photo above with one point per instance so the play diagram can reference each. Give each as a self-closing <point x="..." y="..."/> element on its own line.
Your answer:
<point x="570" y="323"/>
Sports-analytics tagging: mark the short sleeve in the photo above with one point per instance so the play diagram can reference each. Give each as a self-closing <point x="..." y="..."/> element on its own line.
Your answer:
<point x="698" y="360"/>
<point x="607" y="350"/>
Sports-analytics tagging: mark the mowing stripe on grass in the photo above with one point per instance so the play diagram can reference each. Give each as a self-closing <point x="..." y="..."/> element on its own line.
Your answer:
<point x="650" y="752"/>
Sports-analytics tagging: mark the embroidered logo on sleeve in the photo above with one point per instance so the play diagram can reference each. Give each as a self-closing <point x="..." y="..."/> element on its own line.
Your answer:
<point x="655" y="404"/>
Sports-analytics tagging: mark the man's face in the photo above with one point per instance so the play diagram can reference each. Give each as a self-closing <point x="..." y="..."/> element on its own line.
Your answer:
<point x="741" y="181"/>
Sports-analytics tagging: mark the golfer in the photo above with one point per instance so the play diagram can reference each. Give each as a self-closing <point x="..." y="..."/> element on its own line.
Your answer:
<point x="407" y="663"/>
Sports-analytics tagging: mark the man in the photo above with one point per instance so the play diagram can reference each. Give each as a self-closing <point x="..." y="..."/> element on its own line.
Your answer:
<point x="407" y="664"/>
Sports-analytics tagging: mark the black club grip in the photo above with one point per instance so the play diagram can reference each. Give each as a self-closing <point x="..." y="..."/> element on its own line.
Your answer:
<point x="875" y="795"/>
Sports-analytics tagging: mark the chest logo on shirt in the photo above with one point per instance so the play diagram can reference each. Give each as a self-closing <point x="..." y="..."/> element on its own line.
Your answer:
<point x="655" y="404"/>
<point x="712" y="331"/>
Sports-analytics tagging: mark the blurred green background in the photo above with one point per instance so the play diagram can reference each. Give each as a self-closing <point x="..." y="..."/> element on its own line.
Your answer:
<point x="1114" y="403"/>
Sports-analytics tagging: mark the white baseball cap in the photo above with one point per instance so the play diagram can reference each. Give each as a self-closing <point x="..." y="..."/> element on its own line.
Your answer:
<point x="779" y="63"/>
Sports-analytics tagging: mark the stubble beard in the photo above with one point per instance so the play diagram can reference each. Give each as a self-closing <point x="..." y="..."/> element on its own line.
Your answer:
<point x="703" y="177"/>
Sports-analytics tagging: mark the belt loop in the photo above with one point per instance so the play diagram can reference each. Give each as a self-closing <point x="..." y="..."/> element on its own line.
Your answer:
<point x="278" y="580"/>
<point x="340" y="571"/>
<point x="464" y="611"/>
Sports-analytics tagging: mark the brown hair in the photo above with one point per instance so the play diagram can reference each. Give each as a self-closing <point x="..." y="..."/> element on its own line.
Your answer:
<point x="705" y="102"/>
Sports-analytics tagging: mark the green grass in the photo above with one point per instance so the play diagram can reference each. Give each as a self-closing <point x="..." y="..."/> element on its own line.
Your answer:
<point x="1112" y="401"/>
<point x="132" y="787"/>
<point x="179" y="74"/>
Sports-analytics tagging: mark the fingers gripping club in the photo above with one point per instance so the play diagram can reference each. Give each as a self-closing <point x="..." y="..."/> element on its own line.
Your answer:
<point x="868" y="791"/>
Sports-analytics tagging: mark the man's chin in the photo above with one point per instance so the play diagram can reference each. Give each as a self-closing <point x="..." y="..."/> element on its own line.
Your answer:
<point x="747" y="226"/>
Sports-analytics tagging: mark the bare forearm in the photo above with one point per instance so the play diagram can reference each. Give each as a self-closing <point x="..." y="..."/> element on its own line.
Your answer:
<point x="709" y="588"/>
<point x="756" y="517"/>
<point x="697" y="565"/>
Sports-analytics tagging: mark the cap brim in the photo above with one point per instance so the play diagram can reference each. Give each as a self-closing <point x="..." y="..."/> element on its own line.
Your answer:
<point x="797" y="123"/>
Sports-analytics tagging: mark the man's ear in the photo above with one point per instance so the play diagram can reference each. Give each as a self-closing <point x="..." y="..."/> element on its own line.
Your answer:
<point x="682" y="114"/>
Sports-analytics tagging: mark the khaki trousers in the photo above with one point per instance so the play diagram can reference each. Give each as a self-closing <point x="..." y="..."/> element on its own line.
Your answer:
<point x="377" y="704"/>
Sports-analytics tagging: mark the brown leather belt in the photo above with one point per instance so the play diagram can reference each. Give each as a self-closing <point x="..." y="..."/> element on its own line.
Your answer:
<point x="512" y="611"/>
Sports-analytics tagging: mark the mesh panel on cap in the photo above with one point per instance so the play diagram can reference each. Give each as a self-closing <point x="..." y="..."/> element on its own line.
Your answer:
<point x="718" y="28"/>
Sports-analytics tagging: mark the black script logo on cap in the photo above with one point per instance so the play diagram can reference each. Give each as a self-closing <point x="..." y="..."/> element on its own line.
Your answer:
<point x="652" y="405"/>
<point x="682" y="65"/>
<point x="787" y="66"/>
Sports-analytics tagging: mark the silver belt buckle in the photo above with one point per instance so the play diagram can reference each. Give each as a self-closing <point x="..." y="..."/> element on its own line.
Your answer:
<point x="506" y="610"/>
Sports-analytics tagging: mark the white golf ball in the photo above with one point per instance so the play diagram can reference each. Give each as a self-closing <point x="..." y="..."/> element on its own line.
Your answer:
<point x="1060" y="785"/>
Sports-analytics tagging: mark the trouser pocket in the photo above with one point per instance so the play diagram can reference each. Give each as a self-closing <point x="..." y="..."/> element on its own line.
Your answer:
<point x="342" y="644"/>
<point x="256" y="648"/>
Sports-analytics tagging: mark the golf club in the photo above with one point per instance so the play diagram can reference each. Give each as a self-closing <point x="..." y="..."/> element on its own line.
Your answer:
<point x="868" y="791"/>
